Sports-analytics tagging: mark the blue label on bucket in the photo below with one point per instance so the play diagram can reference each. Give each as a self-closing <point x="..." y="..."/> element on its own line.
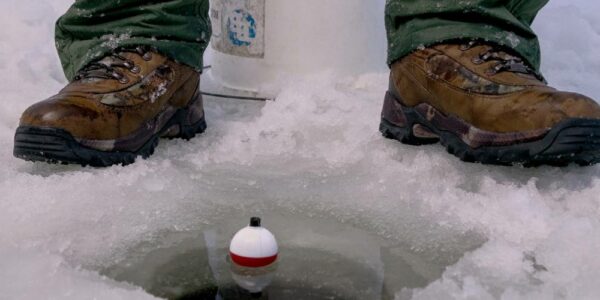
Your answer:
<point x="238" y="27"/>
<point x="241" y="28"/>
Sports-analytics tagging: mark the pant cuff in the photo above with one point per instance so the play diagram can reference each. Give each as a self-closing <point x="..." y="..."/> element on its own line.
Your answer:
<point x="405" y="42"/>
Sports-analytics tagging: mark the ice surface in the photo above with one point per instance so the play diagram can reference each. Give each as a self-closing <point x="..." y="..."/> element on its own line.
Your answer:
<point x="38" y="275"/>
<point x="315" y="151"/>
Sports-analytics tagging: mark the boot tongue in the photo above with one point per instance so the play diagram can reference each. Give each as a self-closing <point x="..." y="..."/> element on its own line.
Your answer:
<point x="99" y="80"/>
<point x="505" y="61"/>
<point x="493" y="63"/>
<point x="109" y="68"/>
<point x="515" y="67"/>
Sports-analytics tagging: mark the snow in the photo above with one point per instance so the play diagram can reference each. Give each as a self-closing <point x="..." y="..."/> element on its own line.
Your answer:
<point x="35" y="275"/>
<point x="519" y="233"/>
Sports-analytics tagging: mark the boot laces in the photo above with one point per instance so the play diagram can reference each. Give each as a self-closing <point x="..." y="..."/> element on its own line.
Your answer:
<point x="505" y="61"/>
<point x="111" y="66"/>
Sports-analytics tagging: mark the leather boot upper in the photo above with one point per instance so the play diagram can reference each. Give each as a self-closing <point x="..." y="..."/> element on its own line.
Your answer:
<point x="116" y="96"/>
<point x="486" y="87"/>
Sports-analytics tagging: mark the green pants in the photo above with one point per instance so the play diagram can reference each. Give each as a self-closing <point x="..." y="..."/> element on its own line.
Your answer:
<point x="181" y="28"/>
<point x="416" y="23"/>
<point x="91" y="29"/>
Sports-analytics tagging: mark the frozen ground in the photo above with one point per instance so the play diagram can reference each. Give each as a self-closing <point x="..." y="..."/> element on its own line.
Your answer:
<point x="315" y="151"/>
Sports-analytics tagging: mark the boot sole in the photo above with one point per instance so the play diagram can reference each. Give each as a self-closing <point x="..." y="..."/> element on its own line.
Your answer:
<point x="571" y="141"/>
<point x="55" y="145"/>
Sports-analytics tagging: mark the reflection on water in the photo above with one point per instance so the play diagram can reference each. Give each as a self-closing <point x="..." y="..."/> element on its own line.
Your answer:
<point x="319" y="259"/>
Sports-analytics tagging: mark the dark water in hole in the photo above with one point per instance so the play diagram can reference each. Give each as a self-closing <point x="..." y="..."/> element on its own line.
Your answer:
<point x="319" y="259"/>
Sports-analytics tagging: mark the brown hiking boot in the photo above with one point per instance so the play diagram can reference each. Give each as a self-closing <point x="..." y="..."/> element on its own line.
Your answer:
<point x="114" y="110"/>
<point x="485" y="105"/>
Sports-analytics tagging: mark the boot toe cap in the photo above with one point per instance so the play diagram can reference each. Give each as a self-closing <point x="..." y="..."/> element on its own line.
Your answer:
<point x="71" y="115"/>
<point x="578" y="106"/>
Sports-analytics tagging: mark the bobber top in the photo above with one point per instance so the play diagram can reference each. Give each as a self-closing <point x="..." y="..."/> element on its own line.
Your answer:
<point x="255" y="222"/>
<point x="253" y="246"/>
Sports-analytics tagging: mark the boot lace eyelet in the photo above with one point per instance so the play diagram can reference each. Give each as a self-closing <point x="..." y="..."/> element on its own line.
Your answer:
<point x="477" y="60"/>
<point x="491" y="72"/>
<point x="120" y="77"/>
<point x="468" y="46"/>
<point x="135" y="69"/>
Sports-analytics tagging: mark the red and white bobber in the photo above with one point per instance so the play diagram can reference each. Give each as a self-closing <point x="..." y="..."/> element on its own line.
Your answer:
<point x="253" y="246"/>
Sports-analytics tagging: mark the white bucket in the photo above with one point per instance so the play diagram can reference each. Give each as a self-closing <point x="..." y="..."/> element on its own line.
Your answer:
<point x="255" y="42"/>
